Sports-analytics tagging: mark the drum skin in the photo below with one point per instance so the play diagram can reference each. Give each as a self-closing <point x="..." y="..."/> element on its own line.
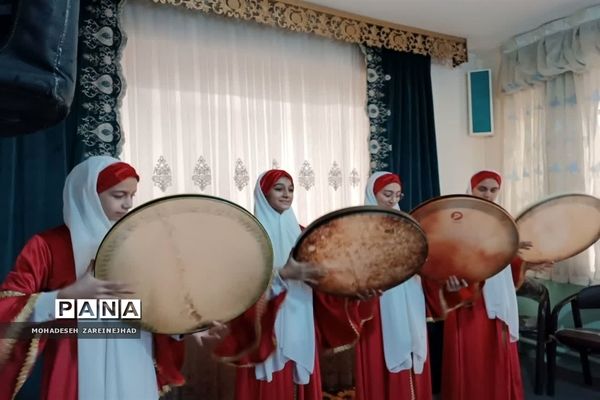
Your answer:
<point x="363" y="248"/>
<point x="191" y="259"/>
<point x="559" y="227"/>
<point x="468" y="237"/>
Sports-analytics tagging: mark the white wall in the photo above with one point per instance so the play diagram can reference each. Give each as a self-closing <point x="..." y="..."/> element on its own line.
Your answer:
<point x="460" y="155"/>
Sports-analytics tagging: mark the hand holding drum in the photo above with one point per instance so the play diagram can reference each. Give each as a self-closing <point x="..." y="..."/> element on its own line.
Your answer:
<point x="557" y="228"/>
<point x="302" y="271"/>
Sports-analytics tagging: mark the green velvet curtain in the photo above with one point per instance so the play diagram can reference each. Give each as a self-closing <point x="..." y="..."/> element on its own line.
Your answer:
<point x="400" y="108"/>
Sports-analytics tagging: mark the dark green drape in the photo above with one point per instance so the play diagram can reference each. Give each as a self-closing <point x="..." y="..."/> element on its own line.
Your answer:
<point x="402" y="140"/>
<point x="400" y="107"/>
<point x="34" y="167"/>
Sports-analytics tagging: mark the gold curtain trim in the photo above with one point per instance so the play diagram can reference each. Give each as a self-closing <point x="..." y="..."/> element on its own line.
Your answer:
<point x="362" y="321"/>
<point x="348" y="346"/>
<point x="346" y="394"/>
<point x="447" y="309"/>
<point x="164" y="390"/>
<point x="300" y="16"/>
<point x="261" y="307"/>
<point x="10" y="293"/>
<point x="7" y="344"/>
<point x="27" y="365"/>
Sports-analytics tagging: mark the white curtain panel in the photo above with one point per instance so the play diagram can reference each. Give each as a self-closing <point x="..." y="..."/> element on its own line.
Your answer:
<point x="212" y="102"/>
<point x="552" y="146"/>
<point x="549" y="116"/>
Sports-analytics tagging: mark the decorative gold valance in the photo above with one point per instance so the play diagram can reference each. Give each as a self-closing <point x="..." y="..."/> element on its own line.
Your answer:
<point x="304" y="17"/>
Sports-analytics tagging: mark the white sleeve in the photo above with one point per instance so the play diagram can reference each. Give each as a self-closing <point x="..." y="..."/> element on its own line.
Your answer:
<point x="43" y="310"/>
<point x="278" y="285"/>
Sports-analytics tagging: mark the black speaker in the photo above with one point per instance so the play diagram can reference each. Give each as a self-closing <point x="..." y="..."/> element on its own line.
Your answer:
<point x="38" y="63"/>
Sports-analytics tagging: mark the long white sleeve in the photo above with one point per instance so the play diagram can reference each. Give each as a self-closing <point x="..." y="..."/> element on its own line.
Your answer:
<point x="43" y="310"/>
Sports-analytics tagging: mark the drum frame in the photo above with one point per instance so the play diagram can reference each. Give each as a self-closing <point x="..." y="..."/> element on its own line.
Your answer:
<point x="350" y="211"/>
<point x="450" y="196"/>
<point x="497" y="206"/>
<point x="545" y="200"/>
<point x="150" y="203"/>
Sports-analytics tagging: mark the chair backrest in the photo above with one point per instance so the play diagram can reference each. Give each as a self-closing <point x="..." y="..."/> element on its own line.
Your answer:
<point x="589" y="297"/>
<point x="533" y="289"/>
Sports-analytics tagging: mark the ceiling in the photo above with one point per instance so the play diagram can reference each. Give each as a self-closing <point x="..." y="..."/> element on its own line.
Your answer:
<point x="485" y="23"/>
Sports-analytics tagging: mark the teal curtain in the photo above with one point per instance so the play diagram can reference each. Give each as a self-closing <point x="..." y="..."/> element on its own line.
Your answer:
<point x="402" y="140"/>
<point x="34" y="166"/>
<point x="33" y="172"/>
<point x="400" y="108"/>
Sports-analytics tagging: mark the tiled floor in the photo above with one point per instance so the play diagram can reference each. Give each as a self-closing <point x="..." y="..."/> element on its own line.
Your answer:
<point x="569" y="380"/>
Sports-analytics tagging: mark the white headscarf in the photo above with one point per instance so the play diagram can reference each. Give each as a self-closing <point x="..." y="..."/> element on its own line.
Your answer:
<point x="403" y="314"/>
<point x="294" y="325"/>
<point x="500" y="295"/>
<point x="108" y="369"/>
<point x="82" y="211"/>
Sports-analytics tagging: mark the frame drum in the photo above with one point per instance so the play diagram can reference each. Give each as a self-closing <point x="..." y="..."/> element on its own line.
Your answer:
<point x="469" y="237"/>
<point x="191" y="259"/>
<point x="363" y="248"/>
<point x="559" y="227"/>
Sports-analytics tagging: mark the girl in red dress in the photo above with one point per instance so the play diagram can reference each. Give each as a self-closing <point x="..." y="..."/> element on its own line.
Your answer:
<point x="279" y="339"/>
<point x="391" y="355"/>
<point x="481" y="359"/>
<point x="57" y="264"/>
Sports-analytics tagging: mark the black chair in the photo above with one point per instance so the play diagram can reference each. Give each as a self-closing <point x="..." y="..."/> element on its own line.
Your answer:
<point x="536" y="328"/>
<point x="584" y="340"/>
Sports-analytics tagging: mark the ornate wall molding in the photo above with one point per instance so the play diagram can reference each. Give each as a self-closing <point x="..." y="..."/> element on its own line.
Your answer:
<point x="304" y="17"/>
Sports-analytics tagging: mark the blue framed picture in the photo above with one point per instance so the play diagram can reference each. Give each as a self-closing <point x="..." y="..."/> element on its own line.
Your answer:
<point x="481" y="109"/>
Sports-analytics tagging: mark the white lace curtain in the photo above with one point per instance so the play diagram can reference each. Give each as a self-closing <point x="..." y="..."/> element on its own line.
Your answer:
<point x="551" y="123"/>
<point x="211" y="103"/>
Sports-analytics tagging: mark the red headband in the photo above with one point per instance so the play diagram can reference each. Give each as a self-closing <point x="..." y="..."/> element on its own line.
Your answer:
<point x="385" y="180"/>
<point x="270" y="178"/>
<point x="483" y="175"/>
<point x="115" y="174"/>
